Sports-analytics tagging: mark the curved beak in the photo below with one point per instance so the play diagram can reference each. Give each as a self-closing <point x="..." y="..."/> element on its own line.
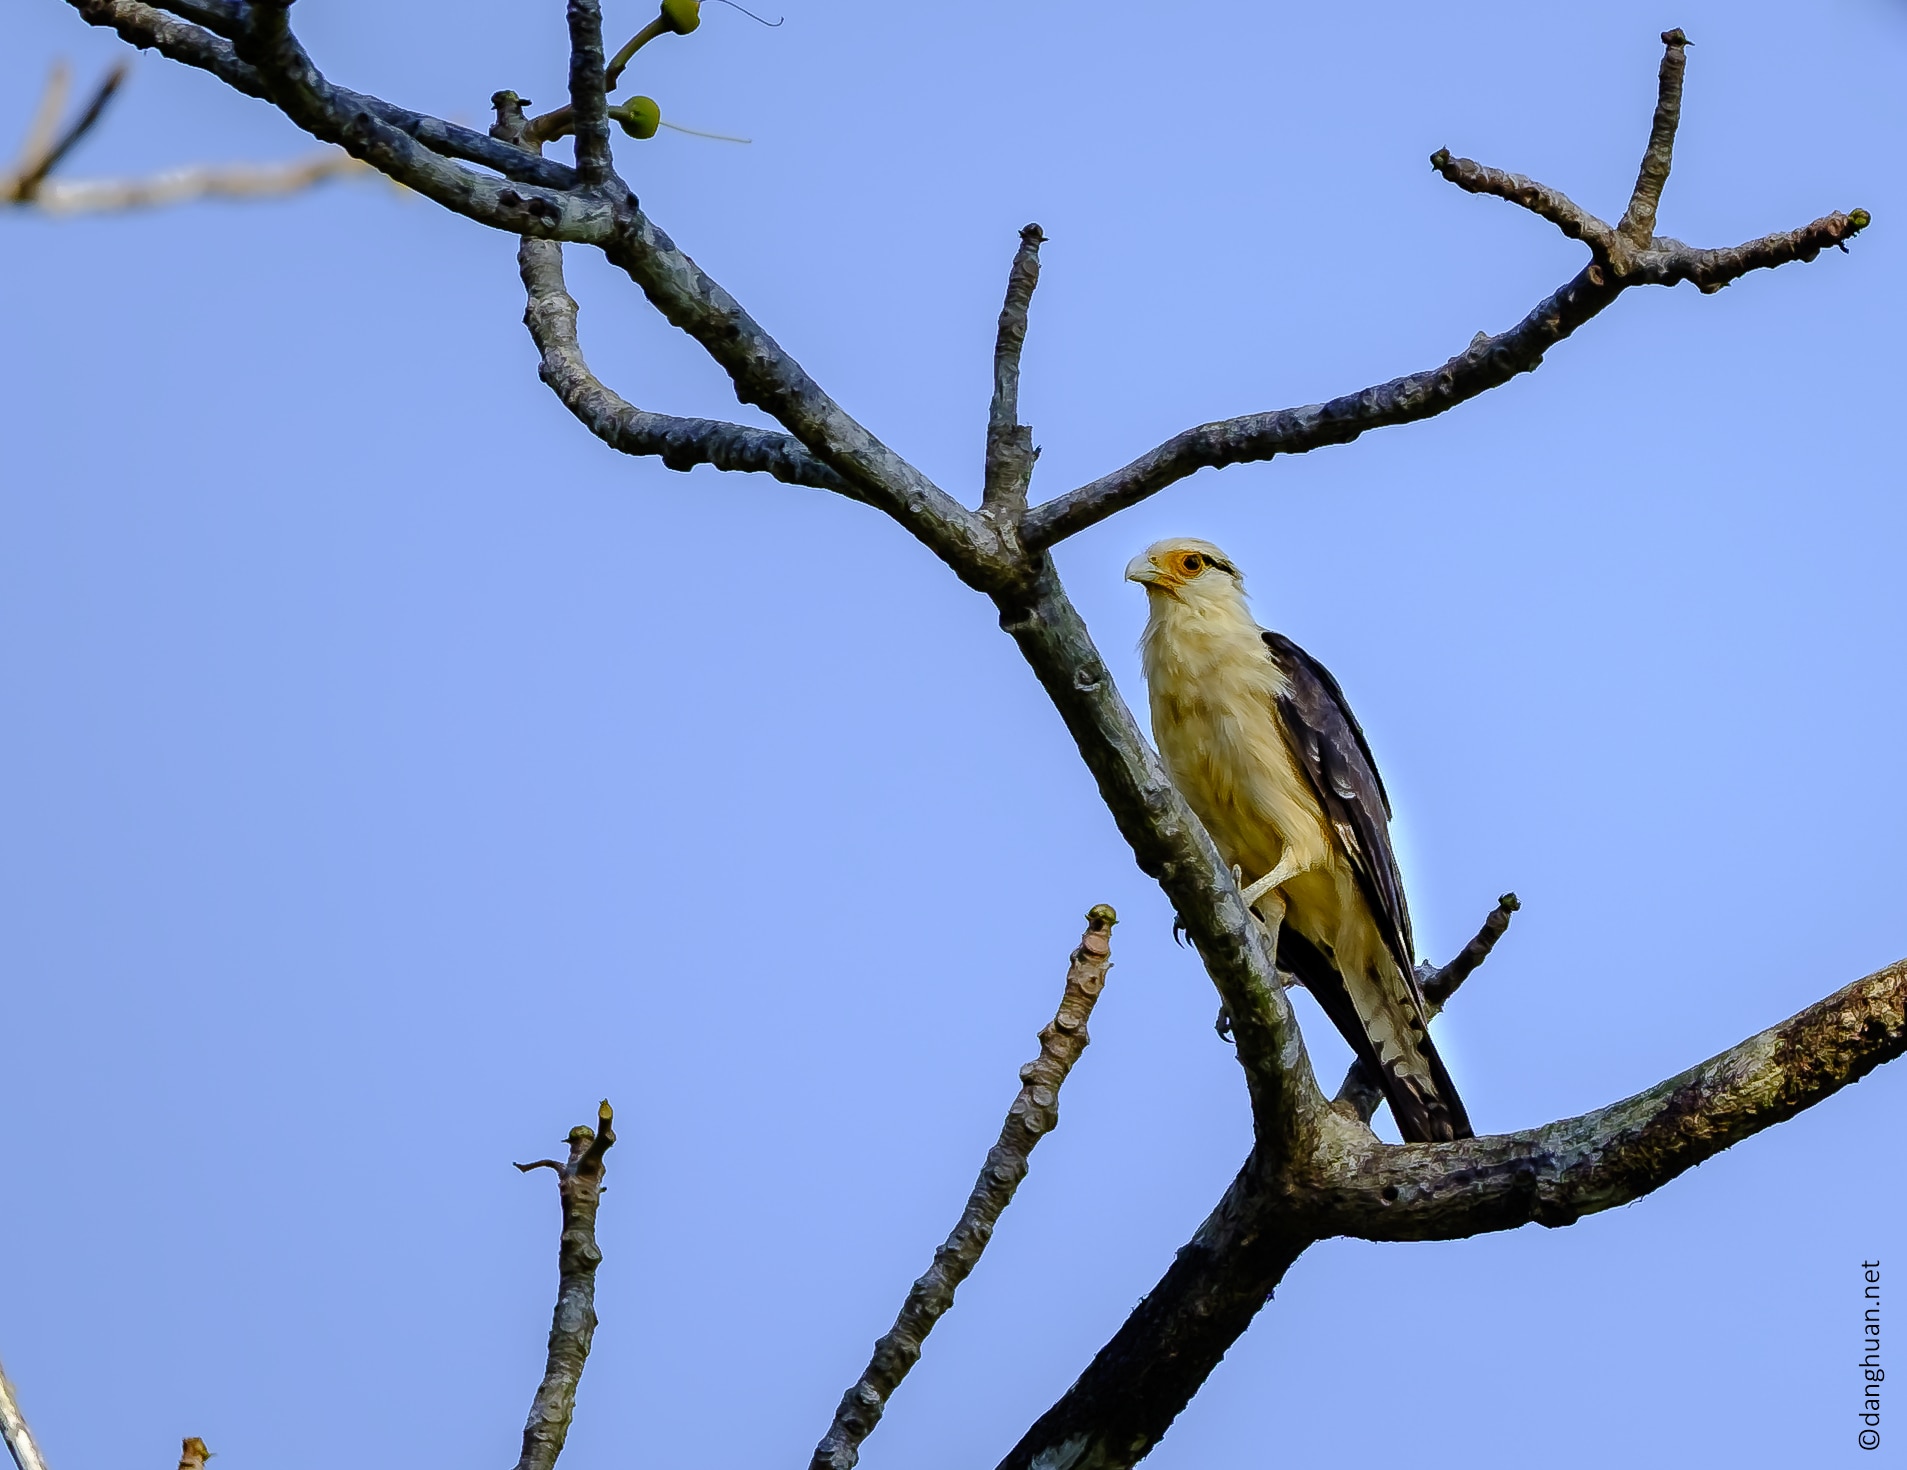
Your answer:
<point x="1140" y="569"/>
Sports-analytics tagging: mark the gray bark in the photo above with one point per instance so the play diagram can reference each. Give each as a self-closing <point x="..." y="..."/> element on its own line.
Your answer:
<point x="1315" y="1170"/>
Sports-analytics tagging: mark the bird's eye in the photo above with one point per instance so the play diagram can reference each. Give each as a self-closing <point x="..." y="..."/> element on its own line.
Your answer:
<point x="1193" y="561"/>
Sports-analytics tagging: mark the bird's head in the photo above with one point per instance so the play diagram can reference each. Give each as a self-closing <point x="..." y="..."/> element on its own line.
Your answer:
<point x="1187" y="571"/>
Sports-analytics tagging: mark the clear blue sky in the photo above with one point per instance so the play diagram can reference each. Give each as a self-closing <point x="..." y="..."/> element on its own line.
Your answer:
<point x="392" y="771"/>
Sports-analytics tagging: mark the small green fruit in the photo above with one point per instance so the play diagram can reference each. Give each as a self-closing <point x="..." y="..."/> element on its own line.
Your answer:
<point x="639" y="117"/>
<point x="682" y="16"/>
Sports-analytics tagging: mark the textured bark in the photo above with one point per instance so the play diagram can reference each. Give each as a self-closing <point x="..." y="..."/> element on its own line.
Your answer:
<point x="1010" y="451"/>
<point x="1135" y="1387"/>
<point x="1315" y="1170"/>
<point x="573" y="1325"/>
<point x="1361" y="1094"/>
<point x="680" y="443"/>
<point x="15" y="1431"/>
<point x="1034" y="1114"/>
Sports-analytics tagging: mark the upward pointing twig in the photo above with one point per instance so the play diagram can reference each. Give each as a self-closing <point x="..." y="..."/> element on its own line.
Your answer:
<point x="1034" y="1114"/>
<point x="45" y="146"/>
<point x="13" y="1428"/>
<point x="1638" y="220"/>
<point x="587" y="97"/>
<point x="580" y="1181"/>
<point x="1360" y="1090"/>
<point x="1010" y="451"/>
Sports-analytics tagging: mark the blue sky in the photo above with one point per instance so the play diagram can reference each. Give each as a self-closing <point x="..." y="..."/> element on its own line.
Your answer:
<point x="392" y="770"/>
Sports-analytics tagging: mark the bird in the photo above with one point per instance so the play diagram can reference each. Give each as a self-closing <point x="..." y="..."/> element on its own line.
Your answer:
<point x="1259" y="740"/>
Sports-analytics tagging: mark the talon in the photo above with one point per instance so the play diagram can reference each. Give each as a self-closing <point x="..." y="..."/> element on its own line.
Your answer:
<point x="1224" y="1024"/>
<point x="1179" y="931"/>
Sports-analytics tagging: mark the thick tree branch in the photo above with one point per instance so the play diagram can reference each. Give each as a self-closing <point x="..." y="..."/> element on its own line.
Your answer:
<point x="680" y="443"/>
<point x="1138" y="1382"/>
<point x="1010" y="451"/>
<point x="1034" y="1114"/>
<point x="13" y="1429"/>
<point x="1171" y="846"/>
<point x="1623" y="257"/>
<point x="1557" y="1174"/>
<point x="1360" y="1092"/>
<point x="146" y="27"/>
<point x="269" y="60"/>
<point x="1353" y="1185"/>
<point x="1638" y="220"/>
<point x="580" y="1182"/>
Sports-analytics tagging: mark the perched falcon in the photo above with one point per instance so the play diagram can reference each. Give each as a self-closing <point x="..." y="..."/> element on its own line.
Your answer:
<point x="1258" y="739"/>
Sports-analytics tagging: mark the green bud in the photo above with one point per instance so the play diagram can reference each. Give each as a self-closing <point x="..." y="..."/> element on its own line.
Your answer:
<point x="682" y="16"/>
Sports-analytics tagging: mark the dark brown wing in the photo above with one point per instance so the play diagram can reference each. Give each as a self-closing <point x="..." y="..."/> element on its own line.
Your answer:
<point x="1337" y="760"/>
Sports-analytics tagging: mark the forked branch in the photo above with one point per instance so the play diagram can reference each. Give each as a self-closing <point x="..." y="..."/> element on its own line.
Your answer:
<point x="1354" y="1185"/>
<point x="32" y="182"/>
<point x="680" y="443"/>
<point x="579" y="1184"/>
<point x="1622" y="256"/>
<point x="1034" y="1114"/>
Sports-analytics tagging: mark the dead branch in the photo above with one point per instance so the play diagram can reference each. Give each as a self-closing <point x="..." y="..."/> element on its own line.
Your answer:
<point x="1314" y="1172"/>
<point x="31" y="181"/>
<point x="1626" y="255"/>
<point x="13" y="1428"/>
<point x="580" y="1183"/>
<point x="1360" y="1092"/>
<point x="1010" y="451"/>
<point x="1034" y="1114"/>
<point x="680" y="443"/>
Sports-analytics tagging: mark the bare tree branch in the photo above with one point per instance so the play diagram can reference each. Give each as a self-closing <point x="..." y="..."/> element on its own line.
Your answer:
<point x="588" y="98"/>
<point x="1638" y="220"/>
<point x="1010" y="451"/>
<point x="1351" y="1184"/>
<point x="1314" y="1172"/>
<point x="1034" y="1114"/>
<point x="1631" y="256"/>
<point x="148" y="28"/>
<point x="1171" y="846"/>
<point x="1360" y="1092"/>
<point x="580" y="1183"/>
<point x="13" y="1428"/>
<point x="1556" y="1174"/>
<point x="46" y="119"/>
<point x="46" y="146"/>
<point x="680" y="443"/>
<point x="199" y="181"/>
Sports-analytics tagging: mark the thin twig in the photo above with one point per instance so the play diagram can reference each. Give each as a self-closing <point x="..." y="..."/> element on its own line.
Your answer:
<point x="1010" y="451"/>
<point x="1034" y="1114"/>
<point x="1360" y="1091"/>
<point x="46" y="145"/>
<point x="46" y="120"/>
<point x="13" y="1428"/>
<point x="199" y="181"/>
<point x="573" y="1325"/>
<point x="1638" y="220"/>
